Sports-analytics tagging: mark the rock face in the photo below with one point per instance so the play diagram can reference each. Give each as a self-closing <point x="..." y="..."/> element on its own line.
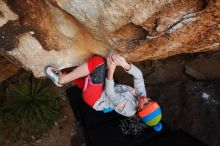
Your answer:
<point x="67" y="32"/>
<point x="7" y="68"/>
<point x="192" y="106"/>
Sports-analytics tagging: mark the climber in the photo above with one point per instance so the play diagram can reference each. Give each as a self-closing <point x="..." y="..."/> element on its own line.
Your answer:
<point x="102" y="94"/>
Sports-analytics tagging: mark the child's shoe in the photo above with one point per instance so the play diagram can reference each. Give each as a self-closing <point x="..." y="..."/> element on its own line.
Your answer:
<point x="53" y="74"/>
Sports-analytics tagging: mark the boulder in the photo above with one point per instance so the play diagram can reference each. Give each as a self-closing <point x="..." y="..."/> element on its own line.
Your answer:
<point x="66" y="33"/>
<point x="7" y="69"/>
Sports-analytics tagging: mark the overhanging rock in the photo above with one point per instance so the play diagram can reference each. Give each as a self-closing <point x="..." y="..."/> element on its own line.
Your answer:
<point x="67" y="32"/>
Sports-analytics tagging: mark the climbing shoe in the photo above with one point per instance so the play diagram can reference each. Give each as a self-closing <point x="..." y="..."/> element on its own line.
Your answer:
<point x="53" y="74"/>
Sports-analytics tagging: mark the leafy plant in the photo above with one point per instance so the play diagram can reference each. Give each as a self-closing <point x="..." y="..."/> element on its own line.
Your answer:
<point x="31" y="107"/>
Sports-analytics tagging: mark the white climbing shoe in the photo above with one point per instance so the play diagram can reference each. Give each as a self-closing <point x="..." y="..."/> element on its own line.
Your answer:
<point x="53" y="74"/>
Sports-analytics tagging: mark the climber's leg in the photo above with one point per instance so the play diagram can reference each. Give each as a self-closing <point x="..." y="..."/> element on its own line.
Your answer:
<point x="79" y="72"/>
<point x="94" y="83"/>
<point x="84" y="70"/>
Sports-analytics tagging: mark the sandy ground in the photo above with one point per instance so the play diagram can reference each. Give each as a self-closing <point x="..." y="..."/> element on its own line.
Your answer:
<point x="61" y="134"/>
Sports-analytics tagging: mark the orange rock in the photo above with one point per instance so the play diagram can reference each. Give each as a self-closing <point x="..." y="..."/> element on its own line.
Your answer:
<point x="7" y="69"/>
<point x="66" y="33"/>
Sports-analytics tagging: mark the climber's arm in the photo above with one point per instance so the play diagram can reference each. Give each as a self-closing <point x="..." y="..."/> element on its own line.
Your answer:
<point x="133" y="70"/>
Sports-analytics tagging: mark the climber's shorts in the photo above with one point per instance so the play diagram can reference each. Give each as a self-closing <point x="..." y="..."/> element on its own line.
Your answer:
<point x="93" y="84"/>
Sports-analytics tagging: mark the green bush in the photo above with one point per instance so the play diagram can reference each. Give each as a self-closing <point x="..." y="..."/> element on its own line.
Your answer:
<point x="31" y="107"/>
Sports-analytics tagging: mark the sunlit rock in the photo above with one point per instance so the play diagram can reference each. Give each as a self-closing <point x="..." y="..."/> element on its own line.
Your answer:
<point x="67" y="32"/>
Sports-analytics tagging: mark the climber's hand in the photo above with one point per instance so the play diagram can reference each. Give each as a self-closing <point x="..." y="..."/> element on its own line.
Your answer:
<point x="111" y="67"/>
<point x="111" y="64"/>
<point x="120" y="61"/>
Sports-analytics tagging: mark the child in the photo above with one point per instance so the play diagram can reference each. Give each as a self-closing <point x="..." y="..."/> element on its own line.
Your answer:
<point x="103" y="95"/>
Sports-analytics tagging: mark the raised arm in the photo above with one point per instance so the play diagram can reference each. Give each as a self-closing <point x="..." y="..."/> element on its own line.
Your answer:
<point x="123" y="106"/>
<point x="134" y="71"/>
<point x="138" y="80"/>
<point x="109" y="83"/>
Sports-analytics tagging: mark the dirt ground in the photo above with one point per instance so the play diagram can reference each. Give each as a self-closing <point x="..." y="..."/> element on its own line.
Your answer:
<point x="62" y="132"/>
<point x="66" y="132"/>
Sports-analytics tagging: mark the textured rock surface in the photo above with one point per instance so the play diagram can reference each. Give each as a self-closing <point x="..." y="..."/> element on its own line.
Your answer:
<point x="192" y="106"/>
<point x="7" y="68"/>
<point x="184" y="67"/>
<point x="67" y="32"/>
<point x="45" y="35"/>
